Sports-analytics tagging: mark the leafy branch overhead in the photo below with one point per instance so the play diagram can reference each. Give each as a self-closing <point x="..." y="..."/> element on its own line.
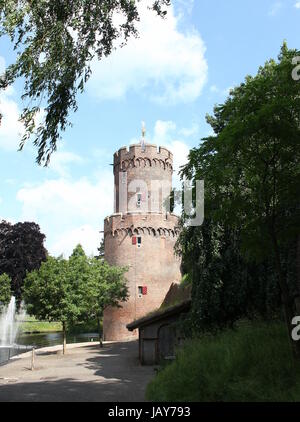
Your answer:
<point x="56" y="41"/>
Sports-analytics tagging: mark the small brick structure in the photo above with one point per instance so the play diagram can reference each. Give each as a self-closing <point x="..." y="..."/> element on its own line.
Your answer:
<point x="159" y="332"/>
<point x="141" y="235"/>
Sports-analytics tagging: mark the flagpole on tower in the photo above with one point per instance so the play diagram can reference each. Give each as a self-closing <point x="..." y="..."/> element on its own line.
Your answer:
<point x="143" y="141"/>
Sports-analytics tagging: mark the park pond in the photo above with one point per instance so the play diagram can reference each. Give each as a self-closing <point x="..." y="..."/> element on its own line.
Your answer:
<point x="25" y="342"/>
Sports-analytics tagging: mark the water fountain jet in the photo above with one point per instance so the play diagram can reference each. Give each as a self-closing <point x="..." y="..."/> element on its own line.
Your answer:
<point x="8" y="324"/>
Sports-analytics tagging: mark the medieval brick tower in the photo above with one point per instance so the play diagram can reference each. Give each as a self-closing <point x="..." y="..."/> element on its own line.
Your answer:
<point x="140" y="234"/>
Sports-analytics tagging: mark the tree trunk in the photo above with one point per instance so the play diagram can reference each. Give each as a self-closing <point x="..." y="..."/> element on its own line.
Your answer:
<point x="287" y="300"/>
<point x="64" y="338"/>
<point x="99" y="333"/>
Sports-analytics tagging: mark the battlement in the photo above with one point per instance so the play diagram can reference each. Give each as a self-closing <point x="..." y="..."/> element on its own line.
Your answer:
<point x="150" y="151"/>
<point x="151" y="223"/>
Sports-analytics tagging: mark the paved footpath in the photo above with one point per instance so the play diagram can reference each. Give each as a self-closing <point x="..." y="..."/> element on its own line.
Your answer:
<point x="85" y="373"/>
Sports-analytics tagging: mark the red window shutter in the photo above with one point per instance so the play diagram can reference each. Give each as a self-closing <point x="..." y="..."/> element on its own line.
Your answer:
<point x="144" y="290"/>
<point x="134" y="240"/>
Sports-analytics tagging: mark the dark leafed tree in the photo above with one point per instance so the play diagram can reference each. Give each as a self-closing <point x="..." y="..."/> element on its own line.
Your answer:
<point x="5" y="289"/>
<point x="251" y="167"/>
<point x="56" y="41"/>
<point x="21" y="250"/>
<point x="101" y="250"/>
<point x="226" y="287"/>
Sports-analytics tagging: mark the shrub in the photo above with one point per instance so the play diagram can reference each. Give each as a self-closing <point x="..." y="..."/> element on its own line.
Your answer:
<point x="252" y="363"/>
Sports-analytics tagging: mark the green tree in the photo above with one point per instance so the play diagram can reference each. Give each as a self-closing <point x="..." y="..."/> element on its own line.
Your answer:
<point x="56" y="41"/>
<point x="5" y="289"/>
<point x="74" y="290"/>
<point x="104" y="286"/>
<point x="78" y="277"/>
<point x="251" y="166"/>
<point x="49" y="295"/>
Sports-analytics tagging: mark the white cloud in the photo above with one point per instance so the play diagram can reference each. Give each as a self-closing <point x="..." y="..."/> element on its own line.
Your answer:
<point x="69" y="212"/>
<point x="63" y="198"/>
<point x="168" y="62"/>
<point x="189" y="131"/>
<point x="11" y="130"/>
<point x="297" y="5"/>
<point x="163" y="130"/>
<point x="87" y="235"/>
<point x="275" y="8"/>
<point x="61" y="160"/>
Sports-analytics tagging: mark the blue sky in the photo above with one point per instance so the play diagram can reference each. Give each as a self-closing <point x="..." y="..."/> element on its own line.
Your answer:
<point x="170" y="78"/>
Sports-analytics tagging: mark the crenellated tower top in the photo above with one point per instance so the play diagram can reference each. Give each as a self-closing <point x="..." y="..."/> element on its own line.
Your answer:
<point x="147" y="163"/>
<point x="149" y="151"/>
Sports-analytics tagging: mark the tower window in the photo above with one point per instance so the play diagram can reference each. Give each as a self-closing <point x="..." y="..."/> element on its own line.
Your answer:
<point x="142" y="290"/>
<point x="138" y="199"/>
<point x="136" y="240"/>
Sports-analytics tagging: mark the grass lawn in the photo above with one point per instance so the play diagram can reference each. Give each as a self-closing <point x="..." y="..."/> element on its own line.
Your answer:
<point x="251" y="363"/>
<point x="33" y="326"/>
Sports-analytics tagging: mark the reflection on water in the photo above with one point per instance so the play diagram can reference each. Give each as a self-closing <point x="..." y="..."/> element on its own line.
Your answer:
<point x="43" y="340"/>
<point x="52" y="339"/>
